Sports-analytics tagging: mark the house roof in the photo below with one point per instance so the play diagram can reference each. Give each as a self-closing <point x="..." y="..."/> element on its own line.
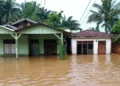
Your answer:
<point x="92" y="34"/>
<point x="8" y="28"/>
<point x="37" y="24"/>
<point x="11" y="27"/>
<point x="24" y="19"/>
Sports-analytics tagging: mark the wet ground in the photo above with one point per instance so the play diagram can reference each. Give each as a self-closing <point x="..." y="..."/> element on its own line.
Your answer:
<point x="77" y="70"/>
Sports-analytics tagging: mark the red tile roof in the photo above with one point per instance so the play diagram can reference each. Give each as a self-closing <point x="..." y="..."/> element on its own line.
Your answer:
<point x="92" y="34"/>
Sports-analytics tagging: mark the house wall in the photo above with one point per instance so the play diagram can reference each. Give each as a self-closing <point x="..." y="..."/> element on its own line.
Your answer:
<point x="116" y="47"/>
<point x="36" y="32"/>
<point x="22" y="44"/>
<point x="5" y="31"/>
<point x="39" y="30"/>
<point x="95" y="45"/>
<point x="41" y="39"/>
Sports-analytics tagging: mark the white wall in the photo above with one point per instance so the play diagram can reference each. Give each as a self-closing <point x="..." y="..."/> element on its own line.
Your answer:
<point x="108" y="46"/>
<point x="74" y="46"/>
<point x="95" y="45"/>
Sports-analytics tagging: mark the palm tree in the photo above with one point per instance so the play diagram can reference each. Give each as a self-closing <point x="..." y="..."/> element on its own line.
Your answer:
<point x="54" y="19"/>
<point x="95" y="29"/>
<point x="30" y="10"/>
<point x="10" y="11"/>
<point x="70" y="23"/>
<point x="106" y="15"/>
<point x="1" y="10"/>
<point x="43" y="14"/>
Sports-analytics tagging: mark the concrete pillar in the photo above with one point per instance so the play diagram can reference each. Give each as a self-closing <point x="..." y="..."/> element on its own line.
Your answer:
<point x="16" y="41"/>
<point x="74" y="46"/>
<point x="108" y="46"/>
<point x="95" y="46"/>
<point x="62" y="38"/>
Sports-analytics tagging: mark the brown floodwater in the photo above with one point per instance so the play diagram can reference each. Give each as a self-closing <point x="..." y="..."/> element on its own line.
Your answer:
<point x="77" y="70"/>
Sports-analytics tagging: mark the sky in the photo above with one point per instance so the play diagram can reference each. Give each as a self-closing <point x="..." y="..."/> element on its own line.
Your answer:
<point x="73" y="8"/>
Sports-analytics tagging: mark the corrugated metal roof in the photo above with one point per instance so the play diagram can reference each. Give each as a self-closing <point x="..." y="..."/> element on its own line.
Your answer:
<point x="11" y="26"/>
<point x="21" y="20"/>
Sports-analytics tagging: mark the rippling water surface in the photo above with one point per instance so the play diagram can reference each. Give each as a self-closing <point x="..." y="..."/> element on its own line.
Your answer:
<point x="77" y="70"/>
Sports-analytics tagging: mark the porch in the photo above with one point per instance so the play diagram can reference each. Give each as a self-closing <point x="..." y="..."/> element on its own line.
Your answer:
<point x="34" y="40"/>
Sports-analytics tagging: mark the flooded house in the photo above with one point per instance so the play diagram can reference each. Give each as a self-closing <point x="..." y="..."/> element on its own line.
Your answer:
<point x="27" y="37"/>
<point x="91" y="42"/>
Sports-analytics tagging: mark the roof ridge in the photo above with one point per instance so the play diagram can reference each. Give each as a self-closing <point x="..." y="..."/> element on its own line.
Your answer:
<point x="20" y="20"/>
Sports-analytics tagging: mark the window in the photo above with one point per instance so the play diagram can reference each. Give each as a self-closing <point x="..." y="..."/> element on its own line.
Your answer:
<point x="9" y="46"/>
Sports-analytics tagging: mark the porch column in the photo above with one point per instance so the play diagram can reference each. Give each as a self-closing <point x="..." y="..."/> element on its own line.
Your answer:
<point x="95" y="46"/>
<point x="108" y="46"/>
<point x="62" y="38"/>
<point x="16" y="43"/>
<point x="16" y="37"/>
<point x="74" y="46"/>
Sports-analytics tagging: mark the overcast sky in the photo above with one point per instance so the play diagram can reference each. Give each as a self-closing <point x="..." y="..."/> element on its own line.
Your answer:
<point x="73" y="8"/>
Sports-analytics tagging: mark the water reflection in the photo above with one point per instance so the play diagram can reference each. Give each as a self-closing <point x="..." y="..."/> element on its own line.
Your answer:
<point x="77" y="70"/>
<point x="95" y="59"/>
<point x="108" y="59"/>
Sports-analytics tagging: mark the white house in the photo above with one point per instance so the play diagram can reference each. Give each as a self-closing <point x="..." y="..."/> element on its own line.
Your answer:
<point x="91" y="42"/>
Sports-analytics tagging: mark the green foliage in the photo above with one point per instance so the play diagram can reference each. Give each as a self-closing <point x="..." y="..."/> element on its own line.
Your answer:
<point x="106" y="14"/>
<point x="116" y="28"/>
<point x="9" y="11"/>
<point x="43" y="14"/>
<point x="54" y="19"/>
<point x="30" y="9"/>
<point x="117" y="38"/>
<point x="70" y="23"/>
<point x="62" y="51"/>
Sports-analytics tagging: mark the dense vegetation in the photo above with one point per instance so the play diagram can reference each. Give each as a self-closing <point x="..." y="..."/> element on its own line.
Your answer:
<point x="11" y="11"/>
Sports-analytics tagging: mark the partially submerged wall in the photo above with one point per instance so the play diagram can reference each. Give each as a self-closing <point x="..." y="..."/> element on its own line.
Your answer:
<point x="116" y="47"/>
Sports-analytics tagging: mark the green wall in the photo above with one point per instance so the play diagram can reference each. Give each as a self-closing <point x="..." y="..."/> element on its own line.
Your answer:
<point x="41" y="39"/>
<point x="39" y="30"/>
<point x="23" y="42"/>
<point x="23" y="45"/>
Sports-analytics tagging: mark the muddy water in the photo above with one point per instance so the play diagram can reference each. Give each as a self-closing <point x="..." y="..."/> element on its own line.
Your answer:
<point x="77" y="70"/>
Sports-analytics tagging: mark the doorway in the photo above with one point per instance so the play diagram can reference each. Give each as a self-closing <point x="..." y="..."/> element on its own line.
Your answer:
<point x="34" y="47"/>
<point x="50" y="47"/>
<point x="85" y="47"/>
<point x="101" y="47"/>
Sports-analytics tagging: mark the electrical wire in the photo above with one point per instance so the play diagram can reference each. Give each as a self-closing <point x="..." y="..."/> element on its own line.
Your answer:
<point x="87" y="13"/>
<point x="85" y="10"/>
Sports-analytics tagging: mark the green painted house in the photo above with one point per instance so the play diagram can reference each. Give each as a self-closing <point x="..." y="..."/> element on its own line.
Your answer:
<point x="27" y="37"/>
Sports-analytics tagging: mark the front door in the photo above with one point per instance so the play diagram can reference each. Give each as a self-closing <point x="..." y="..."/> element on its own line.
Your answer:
<point x="101" y="47"/>
<point x="34" y="47"/>
<point x="50" y="47"/>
